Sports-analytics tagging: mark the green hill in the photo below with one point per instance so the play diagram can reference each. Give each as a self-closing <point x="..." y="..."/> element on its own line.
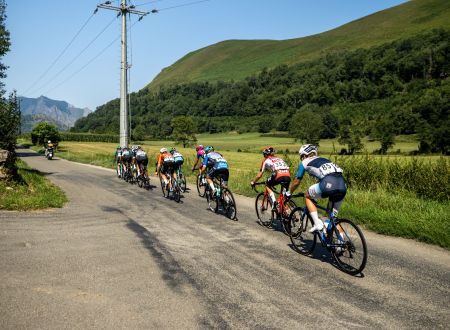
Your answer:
<point x="237" y="59"/>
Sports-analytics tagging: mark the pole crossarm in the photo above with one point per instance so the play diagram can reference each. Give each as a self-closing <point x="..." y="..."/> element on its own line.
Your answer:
<point x="123" y="9"/>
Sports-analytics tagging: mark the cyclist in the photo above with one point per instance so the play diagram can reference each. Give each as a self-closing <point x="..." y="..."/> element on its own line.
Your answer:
<point x="331" y="183"/>
<point x="178" y="159"/>
<point x="215" y="166"/>
<point x="126" y="158"/>
<point x="141" y="160"/>
<point x="118" y="156"/>
<point x="165" y="165"/>
<point x="280" y="174"/>
<point x="200" y="154"/>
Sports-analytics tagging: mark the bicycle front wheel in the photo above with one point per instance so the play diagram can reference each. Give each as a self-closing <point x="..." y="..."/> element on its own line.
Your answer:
<point x="288" y="208"/>
<point x="229" y="205"/>
<point x="176" y="191"/>
<point x="302" y="240"/>
<point x="201" y="187"/>
<point x="182" y="183"/>
<point x="349" y="247"/>
<point x="264" y="210"/>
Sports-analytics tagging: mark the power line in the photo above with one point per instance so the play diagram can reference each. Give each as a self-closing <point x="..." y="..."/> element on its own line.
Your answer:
<point x="76" y="56"/>
<point x="61" y="54"/>
<point x="182" y="5"/>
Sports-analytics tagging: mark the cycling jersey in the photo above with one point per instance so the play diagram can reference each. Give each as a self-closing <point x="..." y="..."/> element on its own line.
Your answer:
<point x="141" y="157"/>
<point x="166" y="161"/>
<point x="331" y="182"/>
<point x="126" y="155"/>
<point x="201" y="154"/>
<point x="276" y="166"/>
<point x="215" y="160"/>
<point x="178" y="158"/>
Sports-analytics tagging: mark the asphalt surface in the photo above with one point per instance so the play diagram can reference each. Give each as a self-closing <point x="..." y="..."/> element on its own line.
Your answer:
<point x="117" y="256"/>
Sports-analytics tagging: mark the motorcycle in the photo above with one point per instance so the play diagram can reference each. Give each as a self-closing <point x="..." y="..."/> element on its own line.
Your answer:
<point x="49" y="153"/>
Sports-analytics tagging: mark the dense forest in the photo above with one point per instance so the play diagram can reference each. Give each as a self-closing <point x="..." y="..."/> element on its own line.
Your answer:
<point x="402" y="87"/>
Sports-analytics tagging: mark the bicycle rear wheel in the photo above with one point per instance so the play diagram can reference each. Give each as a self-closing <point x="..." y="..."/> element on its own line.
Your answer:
<point x="164" y="187"/>
<point x="285" y="223"/>
<point x="211" y="199"/>
<point x="302" y="240"/>
<point x="182" y="183"/>
<point x="264" y="212"/>
<point x="350" y="251"/>
<point x="229" y="205"/>
<point x="201" y="187"/>
<point x="176" y="191"/>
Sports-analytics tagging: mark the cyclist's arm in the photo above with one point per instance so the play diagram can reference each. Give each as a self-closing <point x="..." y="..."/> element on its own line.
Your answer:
<point x="195" y="164"/>
<point x="298" y="178"/>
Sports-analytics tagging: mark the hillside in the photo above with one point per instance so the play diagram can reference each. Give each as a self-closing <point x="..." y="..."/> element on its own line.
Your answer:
<point x="60" y="113"/>
<point x="238" y="59"/>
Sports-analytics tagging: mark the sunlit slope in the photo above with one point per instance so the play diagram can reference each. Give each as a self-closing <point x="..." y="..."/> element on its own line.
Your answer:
<point x="237" y="59"/>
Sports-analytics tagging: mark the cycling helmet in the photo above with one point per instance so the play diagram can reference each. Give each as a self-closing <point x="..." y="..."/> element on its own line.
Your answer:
<point x="163" y="150"/>
<point x="307" y="149"/>
<point x="171" y="150"/>
<point x="139" y="147"/>
<point x="199" y="147"/>
<point x="268" y="151"/>
<point x="208" y="149"/>
<point x="49" y="141"/>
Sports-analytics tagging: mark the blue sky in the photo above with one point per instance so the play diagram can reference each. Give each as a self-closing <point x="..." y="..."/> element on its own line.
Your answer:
<point x="41" y="30"/>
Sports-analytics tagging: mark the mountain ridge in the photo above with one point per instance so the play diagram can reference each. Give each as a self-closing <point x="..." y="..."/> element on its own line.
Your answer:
<point x="60" y="113"/>
<point x="237" y="59"/>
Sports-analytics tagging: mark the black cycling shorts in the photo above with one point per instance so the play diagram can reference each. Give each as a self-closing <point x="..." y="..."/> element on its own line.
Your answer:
<point x="284" y="181"/>
<point x="216" y="173"/>
<point x="333" y="186"/>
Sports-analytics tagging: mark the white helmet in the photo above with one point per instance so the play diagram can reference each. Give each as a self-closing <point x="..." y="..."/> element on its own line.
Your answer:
<point x="49" y="141"/>
<point x="162" y="150"/>
<point x="307" y="149"/>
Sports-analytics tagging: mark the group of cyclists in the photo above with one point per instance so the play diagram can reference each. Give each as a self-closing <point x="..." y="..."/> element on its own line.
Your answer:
<point x="211" y="164"/>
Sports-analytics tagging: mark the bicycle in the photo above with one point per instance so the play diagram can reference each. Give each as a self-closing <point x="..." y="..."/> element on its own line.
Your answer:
<point x="175" y="188"/>
<point x="222" y="198"/>
<point x="143" y="180"/>
<point x="267" y="214"/>
<point x="181" y="179"/>
<point x="341" y="237"/>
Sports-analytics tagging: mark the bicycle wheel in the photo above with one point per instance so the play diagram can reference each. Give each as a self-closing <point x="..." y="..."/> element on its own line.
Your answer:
<point x="176" y="193"/>
<point x="229" y="205"/>
<point x="285" y="223"/>
<point x="350" y="252"/>
<point x="201" y="187"/>
<point x="211" y="199"/>
<point x="182" y="183"/>
<point x="302" y="240"/>
<point x="163" y="187"/>
<point x="264" y="211"/>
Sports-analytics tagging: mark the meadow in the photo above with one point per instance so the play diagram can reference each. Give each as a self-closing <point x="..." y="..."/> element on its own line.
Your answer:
<point x="394" y="195"/>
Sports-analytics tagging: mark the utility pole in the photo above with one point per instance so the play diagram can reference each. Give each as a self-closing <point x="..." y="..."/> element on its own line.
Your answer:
<point x="123" y="10"/>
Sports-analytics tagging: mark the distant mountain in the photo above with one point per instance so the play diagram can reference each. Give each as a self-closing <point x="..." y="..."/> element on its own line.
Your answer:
<point x="237" y="59"/>
<point x="60" y="113"/>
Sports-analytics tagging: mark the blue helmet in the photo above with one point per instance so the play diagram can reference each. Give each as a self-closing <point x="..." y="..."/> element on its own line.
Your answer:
<point x="208" y="149"/>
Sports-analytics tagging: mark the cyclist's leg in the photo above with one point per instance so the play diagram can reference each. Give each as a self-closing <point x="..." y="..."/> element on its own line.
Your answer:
<point x="313" y="192"/>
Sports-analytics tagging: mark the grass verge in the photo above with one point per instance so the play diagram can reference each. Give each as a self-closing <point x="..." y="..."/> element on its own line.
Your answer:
<point x="31" y="191"/>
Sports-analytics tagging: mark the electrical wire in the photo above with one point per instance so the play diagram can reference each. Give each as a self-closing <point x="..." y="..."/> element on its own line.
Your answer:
<point x="76" y="56"/>
<point x="183" y="5"/>
<point x="61" y="54"/>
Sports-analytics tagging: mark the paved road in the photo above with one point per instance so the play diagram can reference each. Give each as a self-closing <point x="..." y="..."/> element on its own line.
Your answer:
<point x="120" y="257"/>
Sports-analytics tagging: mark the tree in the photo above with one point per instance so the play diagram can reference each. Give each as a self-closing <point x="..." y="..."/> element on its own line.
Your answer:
<point x="384" y="131"/>
<point x="42" y="132"/>
<point x="184" y="130"/>
<point x="350" y="134"/>
<point x="307" y="125"/>
<point x="9" y="108"/>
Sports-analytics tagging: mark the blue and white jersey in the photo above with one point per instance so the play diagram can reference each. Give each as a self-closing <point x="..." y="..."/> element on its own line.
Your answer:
<point x="215" y="160"/>
<point x="317" y="167"/>
<point x="178" y="157"/>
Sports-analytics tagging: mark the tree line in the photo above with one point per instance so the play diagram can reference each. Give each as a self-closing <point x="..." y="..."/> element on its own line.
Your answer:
<point x="401" y="87"/>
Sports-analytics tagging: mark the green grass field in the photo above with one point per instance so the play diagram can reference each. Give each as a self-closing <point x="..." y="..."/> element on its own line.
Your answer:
<point x="31" y="192"/>
<point x="398" y="213"/>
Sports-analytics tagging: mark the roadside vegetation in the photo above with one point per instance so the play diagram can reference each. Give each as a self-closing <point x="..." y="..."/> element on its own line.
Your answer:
<point x="29" y="190"/>
<point x="393" y="195"/>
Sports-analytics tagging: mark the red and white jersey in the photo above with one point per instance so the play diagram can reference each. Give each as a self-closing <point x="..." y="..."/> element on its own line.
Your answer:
<point x="275" y="165"/>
